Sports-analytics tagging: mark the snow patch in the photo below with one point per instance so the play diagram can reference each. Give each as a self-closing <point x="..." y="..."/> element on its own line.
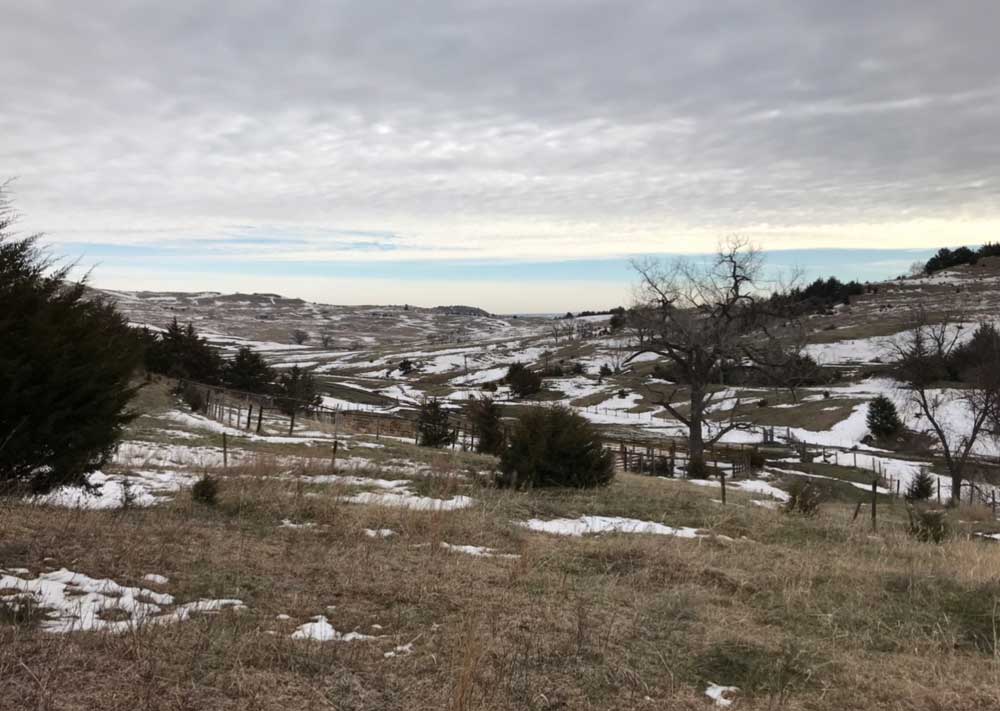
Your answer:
<point x="606" y="524"/>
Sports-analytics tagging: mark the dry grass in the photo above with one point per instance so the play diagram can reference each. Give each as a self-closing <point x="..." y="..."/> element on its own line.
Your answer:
<point x="804" y="614"/>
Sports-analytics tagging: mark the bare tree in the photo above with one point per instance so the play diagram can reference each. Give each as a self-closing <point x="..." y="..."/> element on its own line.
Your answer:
<point x="784" y="362"/>
<point x="701" y="317"/>
<point x="926" y="359"/>
<point x="299" y="336"/>
<point x="638" y="321"/>
<point x="619" y="353"/>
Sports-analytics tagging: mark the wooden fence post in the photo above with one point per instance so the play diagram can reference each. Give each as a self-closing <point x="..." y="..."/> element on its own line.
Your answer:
<point x="939" y="490"/>
<point x="260" y="418"/>
<point x="249" y="415"/>
<point x="225" y="452"/>
<point x="333" y="456"/>
<point x="874" y="504"/>
<point x="722" y="480"/>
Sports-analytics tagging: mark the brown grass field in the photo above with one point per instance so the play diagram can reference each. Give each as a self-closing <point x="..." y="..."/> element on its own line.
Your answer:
<point x="800" y="613"/>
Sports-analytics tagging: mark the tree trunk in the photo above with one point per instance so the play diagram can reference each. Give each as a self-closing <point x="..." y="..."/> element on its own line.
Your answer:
<point x="696" y="441"/>
<point x="291" y="424"/>
<point x="956" y="490"/>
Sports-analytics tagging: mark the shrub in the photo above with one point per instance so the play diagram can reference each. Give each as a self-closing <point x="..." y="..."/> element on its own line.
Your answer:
<point x="883" y="420"/>
<point x="921" y="487"/>
<point x="20" y="611"/>
<point x="299" y="336"/>
<point x="623" y="393"/>
<point x="757" y="459"/>
<point x="523" y="381"/>
<point x="206" y="491"/>
<point x="433" y="425"/>
<point x="579" y="368"/>
<point x="406" y="366"/>
<point x="555" y="447"/>
<point x="804" y="498"/>
<point x="192" y="395"/>
<point x="487" y="425"/>
<point x="66" y="360"/>
<point x="928" y="525"/>
<point x="605" y="371"/>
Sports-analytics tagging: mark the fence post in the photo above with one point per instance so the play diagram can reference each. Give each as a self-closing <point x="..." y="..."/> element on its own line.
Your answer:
<point x="333" y="456"/>
<point x="874" y="504"/>
<point x="260" y="418"/>
<point x="225" y="452"/>
<point x="249" y="415"/>
<point x="939" y="490"/>
<point x="722" y="480"/>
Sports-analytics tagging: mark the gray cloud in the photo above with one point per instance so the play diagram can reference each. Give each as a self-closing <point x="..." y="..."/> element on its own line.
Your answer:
<point x="559" y="128"/>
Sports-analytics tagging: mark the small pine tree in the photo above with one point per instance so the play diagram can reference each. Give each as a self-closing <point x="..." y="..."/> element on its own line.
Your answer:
<point x="921" y="486"/>
<point x="299" y="336"/>
<point x="66" y="360"/>
<point x="433" y="425"/>
<point x="883" y="419"/>
<point x="248" y="371"/>
<point x="486" y="422"/>
<point x="523" y="381"/>
<point x="554" y="446"/>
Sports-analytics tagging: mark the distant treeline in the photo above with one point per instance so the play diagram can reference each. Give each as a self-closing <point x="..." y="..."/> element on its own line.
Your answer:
<point x="581" y="314"/>
<point x="947" y="258"/>
<point x="821" y="295"/>
<point x="816" y="297"/>
<point x="180" y="352"/>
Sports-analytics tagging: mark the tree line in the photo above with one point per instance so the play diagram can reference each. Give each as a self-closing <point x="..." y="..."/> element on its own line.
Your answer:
<point x="946" y="258"/>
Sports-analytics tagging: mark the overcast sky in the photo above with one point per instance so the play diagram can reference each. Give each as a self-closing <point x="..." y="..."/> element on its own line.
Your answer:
<point x="334" y="150"/>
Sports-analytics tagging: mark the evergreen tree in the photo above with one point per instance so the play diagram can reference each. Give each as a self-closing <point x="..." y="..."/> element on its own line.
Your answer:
<point x="883" y="420"/>
<point x="487" y="424"/>
<point x="66" y="359"/>
<point x="554" y="446"/>
<point x="921" y="487"/>
<point x="179" y="352"/>
<point x="296" y="389"/>
<point x="433" y="425"/>
<point x="249" y="372"/>
<point x="523" y="381"/>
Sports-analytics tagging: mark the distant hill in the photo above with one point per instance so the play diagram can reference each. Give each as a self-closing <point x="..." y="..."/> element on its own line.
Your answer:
<point x="460" y="310"/>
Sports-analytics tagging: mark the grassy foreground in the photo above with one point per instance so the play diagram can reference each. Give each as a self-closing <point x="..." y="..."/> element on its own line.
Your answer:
<point x="798" y="613"/>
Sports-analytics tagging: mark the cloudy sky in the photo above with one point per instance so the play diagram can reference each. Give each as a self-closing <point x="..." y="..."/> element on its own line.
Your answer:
<point x="508" y="154"/>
